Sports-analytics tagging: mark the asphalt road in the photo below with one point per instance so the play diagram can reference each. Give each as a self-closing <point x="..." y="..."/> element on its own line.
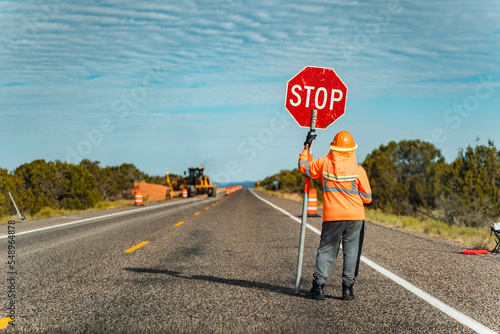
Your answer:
<point x="231" y="269"/>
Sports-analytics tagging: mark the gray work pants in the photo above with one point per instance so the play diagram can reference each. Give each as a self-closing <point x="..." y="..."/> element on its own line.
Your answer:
<point x="351" y="233"/>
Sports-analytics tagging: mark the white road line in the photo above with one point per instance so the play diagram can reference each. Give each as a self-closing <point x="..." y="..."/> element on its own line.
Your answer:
<point x="454" y="313"/>
<point x="99" y="217"/>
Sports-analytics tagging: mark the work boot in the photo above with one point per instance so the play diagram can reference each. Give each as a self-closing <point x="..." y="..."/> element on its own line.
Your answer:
<point x="347" y="293"/>
<point x="316" y="292"/>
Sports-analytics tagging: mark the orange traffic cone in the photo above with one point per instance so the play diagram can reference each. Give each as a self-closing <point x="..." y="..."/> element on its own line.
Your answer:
<point x="184" y="193"/>
<point x="137" y="197"/>
<point x="312" y="203"/>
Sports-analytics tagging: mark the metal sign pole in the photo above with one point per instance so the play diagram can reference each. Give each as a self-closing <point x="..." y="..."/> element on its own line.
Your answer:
<point x="21" y="217"/>
<point x="304" y="207"/>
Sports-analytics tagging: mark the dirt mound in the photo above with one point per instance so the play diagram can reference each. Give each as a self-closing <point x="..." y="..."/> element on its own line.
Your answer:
<point x="153" y="192"/>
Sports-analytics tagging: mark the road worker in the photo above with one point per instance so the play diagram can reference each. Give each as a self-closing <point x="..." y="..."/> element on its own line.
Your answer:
<point x="345" y="191"/>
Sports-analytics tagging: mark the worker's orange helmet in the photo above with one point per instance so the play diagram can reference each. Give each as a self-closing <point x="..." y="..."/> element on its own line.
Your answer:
<point x="343" y="142"/>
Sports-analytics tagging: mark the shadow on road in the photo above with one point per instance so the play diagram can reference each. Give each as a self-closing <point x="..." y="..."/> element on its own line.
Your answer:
<point x="214" y="279"/>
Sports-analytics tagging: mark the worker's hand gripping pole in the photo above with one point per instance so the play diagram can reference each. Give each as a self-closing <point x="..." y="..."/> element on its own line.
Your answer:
<point x="314" y="113"/>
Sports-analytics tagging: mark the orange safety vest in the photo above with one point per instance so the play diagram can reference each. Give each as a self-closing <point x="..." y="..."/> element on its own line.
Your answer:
<point x="345" y="185"/>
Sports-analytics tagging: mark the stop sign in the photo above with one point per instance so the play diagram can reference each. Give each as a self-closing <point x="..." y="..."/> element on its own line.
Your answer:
<point x="316" y="88"/>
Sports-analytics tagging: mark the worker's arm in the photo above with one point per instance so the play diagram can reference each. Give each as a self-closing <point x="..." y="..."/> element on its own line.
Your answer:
<point x="311" y="169"/>
<point x="365" y="191"/>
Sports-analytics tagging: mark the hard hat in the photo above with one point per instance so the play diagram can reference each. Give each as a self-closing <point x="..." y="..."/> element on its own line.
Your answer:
<point x="343" y="142"/>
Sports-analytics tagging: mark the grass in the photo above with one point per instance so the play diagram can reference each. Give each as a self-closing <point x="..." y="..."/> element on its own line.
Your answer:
<point x="477" y="238"/>
<point x="48" y="212"/>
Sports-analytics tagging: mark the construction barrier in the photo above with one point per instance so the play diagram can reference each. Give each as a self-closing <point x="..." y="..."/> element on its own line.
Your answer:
<point x="312" y="203"/>
<point x="137" y="197"/>
<point x="230" y="190"/>
<point x="184" y="193"/>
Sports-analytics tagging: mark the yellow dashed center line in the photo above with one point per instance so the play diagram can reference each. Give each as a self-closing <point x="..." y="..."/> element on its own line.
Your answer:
<point x="4" y="322"/>
<point x="213" y="204"/>
<point x="206" y="208"/>
<point x="197" y="213"/>
<point x="179" y="223"/>
<point x="137" y="246"/>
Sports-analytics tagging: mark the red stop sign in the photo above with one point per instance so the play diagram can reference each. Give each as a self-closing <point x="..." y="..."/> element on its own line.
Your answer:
<point x="316" y="88"/>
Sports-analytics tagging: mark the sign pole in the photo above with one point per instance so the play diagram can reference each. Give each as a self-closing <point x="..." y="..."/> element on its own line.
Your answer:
<point x="314" y="113"/>
<point x="316" y="88"/>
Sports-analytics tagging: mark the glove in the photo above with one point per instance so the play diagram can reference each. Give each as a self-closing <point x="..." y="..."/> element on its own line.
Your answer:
<point x="309" y="139"/>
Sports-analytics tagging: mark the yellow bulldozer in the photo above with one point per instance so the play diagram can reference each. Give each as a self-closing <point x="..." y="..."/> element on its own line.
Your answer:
<point x="196" y="183"/>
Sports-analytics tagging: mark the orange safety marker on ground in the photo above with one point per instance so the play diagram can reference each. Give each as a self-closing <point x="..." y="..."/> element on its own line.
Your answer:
<point x="137" y="197"/>
<point x="475" y="251"/>
<point x="312" y="203"/>
<point x="184" y="193"/>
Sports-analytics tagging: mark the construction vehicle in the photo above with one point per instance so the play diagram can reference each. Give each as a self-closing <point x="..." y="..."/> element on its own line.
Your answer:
<point x="198" y="183"/>
<point x="195" y="182"/>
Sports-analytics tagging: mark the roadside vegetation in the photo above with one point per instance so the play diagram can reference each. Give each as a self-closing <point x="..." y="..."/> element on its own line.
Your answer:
<point x="478" y="238"/>
<point x="414" y="188"/>
<point x="48" y="212"/>
<point x="44" y="189"/>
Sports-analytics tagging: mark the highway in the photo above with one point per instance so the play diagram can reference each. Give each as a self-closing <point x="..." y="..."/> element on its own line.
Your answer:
<point x="227" y="265"/>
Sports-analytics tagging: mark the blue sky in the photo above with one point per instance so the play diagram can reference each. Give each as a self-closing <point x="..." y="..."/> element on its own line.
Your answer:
<point x="164" y="84"/>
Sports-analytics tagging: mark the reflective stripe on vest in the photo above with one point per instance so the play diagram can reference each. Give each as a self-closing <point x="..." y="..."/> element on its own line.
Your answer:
<point x="352" y="191"/>
<point x="339" y="178"/>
